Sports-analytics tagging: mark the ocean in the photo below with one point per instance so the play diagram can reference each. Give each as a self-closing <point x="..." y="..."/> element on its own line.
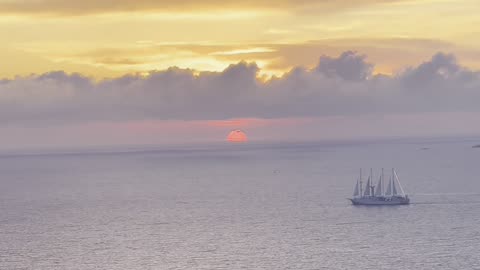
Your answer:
<point x="240" y="206"/>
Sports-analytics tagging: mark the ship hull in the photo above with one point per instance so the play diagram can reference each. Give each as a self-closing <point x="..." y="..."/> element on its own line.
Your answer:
<point x="380" y="201"/>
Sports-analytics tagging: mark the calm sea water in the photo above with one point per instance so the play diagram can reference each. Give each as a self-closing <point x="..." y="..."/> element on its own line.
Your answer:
<point x="250" y="206"/>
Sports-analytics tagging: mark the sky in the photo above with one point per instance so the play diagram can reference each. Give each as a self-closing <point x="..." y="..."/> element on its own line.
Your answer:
<point x="151" y="72"/>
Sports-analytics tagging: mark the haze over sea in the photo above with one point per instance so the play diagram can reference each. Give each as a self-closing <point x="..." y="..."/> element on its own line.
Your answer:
<point x="240" y="206"/>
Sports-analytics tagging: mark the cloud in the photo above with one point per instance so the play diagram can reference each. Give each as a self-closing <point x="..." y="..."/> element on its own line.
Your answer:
<point x="349" y="66"/>
<point x="388" y="54"/>
<point x="61" y="7"/>
<point x="439" y="69"/>
<point x="337" y="86"/>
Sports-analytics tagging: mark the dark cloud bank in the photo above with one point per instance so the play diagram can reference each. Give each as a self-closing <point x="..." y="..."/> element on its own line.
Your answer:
<point x="341" y="85"/>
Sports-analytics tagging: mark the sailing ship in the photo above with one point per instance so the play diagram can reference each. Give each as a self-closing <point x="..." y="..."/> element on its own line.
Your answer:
<point x="393" y="194"/>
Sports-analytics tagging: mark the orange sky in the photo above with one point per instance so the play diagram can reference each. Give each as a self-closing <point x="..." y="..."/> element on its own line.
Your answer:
<point x="100" y="39"/>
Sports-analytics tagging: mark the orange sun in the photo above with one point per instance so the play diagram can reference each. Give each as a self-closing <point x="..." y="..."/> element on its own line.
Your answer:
<point x="237" y="136"/>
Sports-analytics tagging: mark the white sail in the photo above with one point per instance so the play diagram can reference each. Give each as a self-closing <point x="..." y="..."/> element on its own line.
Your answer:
<point x="388" y="192"/>
<point x="394" y="188"/>
<point x="356" y="191"/>
<point x="379" y="189"/>
<point x="367" y="188"/>
<point x="402" y="192"/>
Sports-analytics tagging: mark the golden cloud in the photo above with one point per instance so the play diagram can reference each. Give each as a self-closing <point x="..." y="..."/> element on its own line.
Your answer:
<point x="61" y="7"/>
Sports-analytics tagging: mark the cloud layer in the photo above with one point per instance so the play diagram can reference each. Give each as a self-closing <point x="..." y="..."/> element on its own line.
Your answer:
<point x="342" y="85"/>
<point x="62" y="7"/>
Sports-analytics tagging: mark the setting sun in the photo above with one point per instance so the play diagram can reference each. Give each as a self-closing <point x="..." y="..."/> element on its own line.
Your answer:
<point x="237" y="136"/>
